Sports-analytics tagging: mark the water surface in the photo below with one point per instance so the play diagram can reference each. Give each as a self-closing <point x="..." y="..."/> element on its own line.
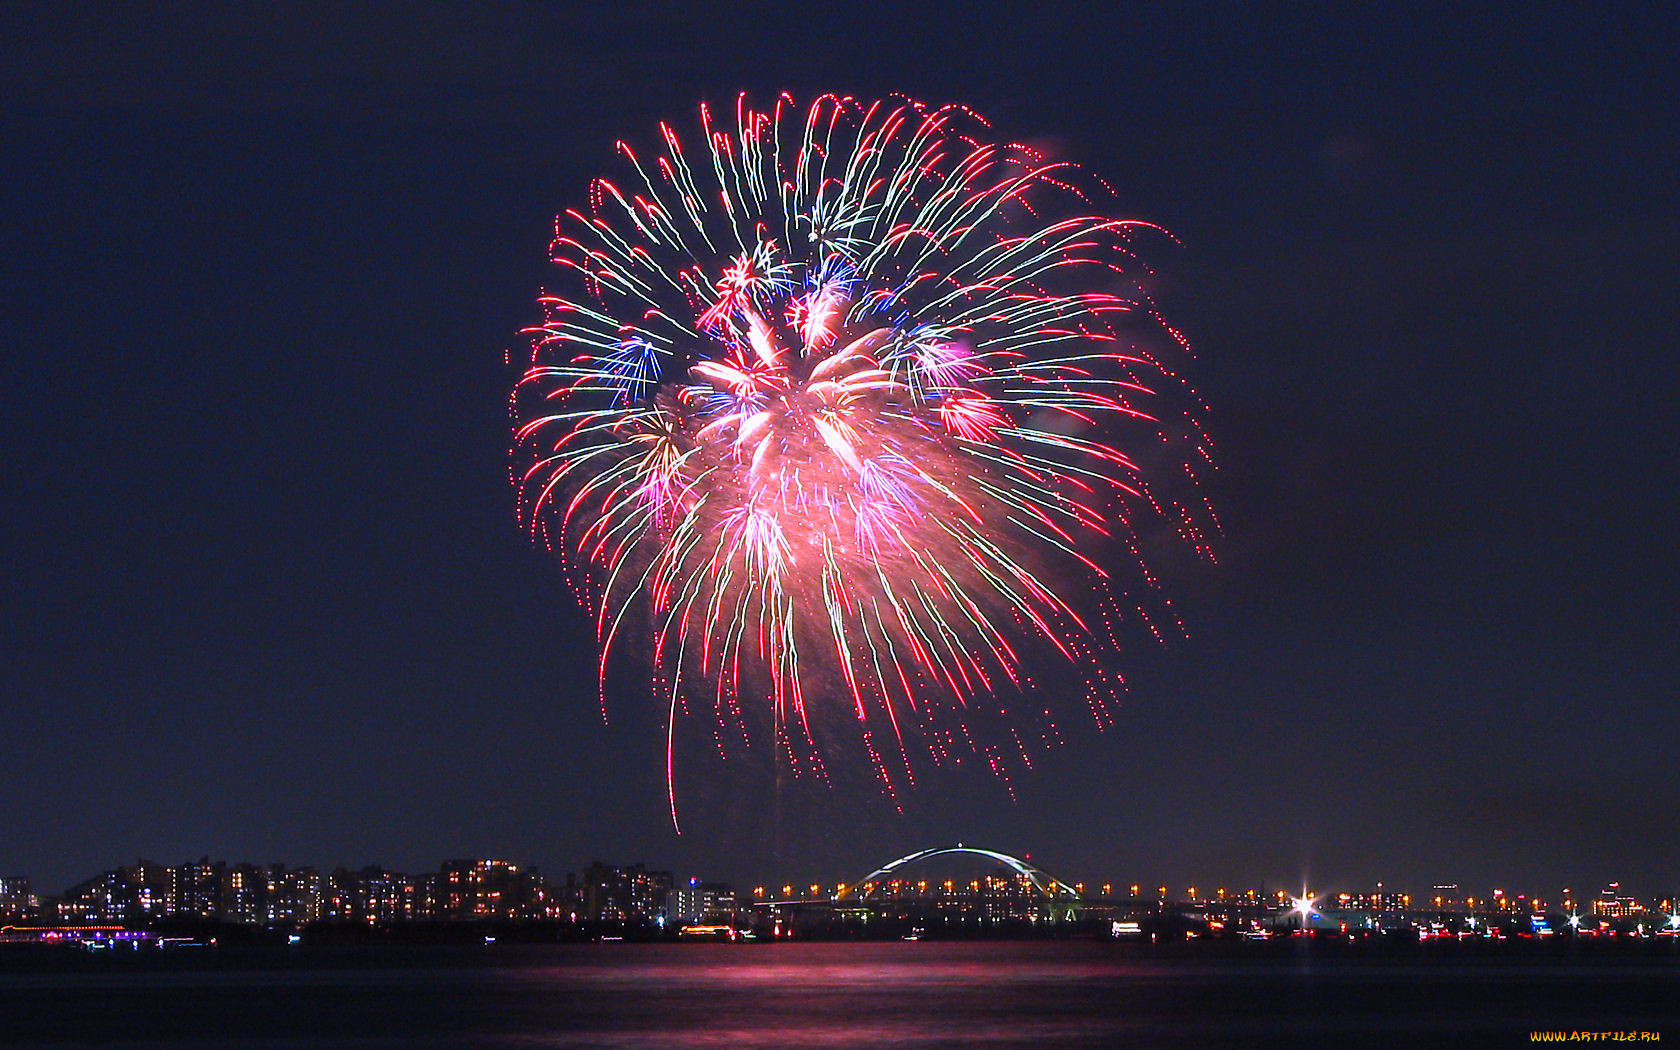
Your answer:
<point x="811" y="996"/>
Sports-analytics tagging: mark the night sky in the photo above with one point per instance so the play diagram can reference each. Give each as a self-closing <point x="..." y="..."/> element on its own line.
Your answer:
<point x="265" y="598"/>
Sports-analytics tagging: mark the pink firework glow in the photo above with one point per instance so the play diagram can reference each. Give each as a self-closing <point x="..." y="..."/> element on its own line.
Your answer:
<point x="845" y="411"/>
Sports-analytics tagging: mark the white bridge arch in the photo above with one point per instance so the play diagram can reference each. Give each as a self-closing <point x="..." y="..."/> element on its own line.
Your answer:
<point x="1052" y="889"/>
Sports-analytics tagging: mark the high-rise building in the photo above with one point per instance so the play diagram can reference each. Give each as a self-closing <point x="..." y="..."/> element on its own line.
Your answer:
<point x="386" y="896"/>
<point x="607" y="893"/>
<point x="195" y="889"/>
<point x="244" y="890"/>
<point x="488" y="889"/>
<point x="16" y="900"/>
<point x="154" y="893"/>
<point x="373" y="896"/>
<point x="293" y="896"/>
<point x="698" y="901"/>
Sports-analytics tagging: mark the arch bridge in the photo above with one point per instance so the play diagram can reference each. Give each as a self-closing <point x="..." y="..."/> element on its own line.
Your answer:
<point x="1058" y="900"/>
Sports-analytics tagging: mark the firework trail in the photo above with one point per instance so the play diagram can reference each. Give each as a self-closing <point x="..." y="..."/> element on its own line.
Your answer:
<point x="830" y="417"/>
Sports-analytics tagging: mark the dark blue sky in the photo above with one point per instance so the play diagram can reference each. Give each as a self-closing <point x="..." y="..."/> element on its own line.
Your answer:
<point x="265" y="597"/>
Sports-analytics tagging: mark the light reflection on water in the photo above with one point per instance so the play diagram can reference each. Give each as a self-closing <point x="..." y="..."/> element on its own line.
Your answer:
<point x="811" y="996"/>
<point x="849" y="965"/>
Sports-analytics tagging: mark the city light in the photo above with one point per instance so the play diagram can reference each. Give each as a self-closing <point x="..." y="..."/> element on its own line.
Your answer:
<point x="633" y="902"/>
<point x="1304" y="905"/>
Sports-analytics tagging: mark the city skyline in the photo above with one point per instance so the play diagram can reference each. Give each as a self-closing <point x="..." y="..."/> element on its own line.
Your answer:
<point x="799" y="884"/>
<point x="265" y="588"/>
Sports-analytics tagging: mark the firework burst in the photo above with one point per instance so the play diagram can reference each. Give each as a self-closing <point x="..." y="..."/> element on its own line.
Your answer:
<point x="834" y="415"/>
